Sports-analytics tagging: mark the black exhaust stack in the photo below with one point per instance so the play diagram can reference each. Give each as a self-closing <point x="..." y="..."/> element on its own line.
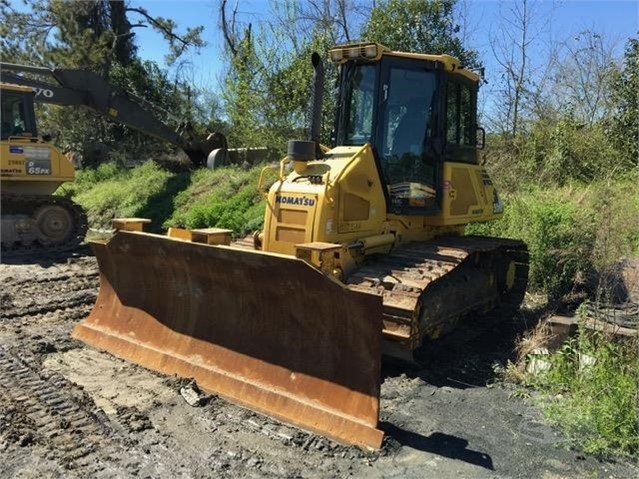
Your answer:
<point x="307" y="150"/>
<point x="316" y="105"/>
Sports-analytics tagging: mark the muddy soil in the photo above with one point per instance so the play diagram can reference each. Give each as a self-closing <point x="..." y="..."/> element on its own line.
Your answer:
<point x="67" y="410"/>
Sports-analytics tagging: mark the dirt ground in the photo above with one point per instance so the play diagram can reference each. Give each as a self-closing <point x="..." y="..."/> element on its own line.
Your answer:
<point x="67" y="410"/>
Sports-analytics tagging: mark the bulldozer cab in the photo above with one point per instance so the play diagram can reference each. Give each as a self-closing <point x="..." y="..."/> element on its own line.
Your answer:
<point x="416" y="111"/>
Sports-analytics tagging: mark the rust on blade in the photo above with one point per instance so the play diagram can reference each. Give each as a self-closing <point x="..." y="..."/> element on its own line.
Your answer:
<point x="266" y="331"/>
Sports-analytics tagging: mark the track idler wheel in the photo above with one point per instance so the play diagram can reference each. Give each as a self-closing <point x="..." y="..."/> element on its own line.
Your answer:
<point x="54" y="223"/>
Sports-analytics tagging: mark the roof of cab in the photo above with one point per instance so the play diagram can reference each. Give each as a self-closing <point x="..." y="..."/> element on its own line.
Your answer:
<point x="450" y="63"/>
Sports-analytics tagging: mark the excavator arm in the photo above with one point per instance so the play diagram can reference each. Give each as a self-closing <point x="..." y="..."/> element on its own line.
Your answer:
<point x="74" y="87"/>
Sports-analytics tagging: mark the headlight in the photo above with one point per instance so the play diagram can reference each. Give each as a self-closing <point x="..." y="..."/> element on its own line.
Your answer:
<point x="368" y="51"/>
<point x="336" y="55"/>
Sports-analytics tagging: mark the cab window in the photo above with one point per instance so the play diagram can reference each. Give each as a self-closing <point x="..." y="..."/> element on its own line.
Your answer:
<point x="360" y="105"/>
<point x="461" y="127"/>
<point x="459" y="118"/>
<point x="13" y="111"/>
<point x="407" y="128"/>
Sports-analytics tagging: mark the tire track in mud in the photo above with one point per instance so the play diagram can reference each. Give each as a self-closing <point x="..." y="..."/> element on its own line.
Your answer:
<point x="70" y="290"/>
<point x="46" y="410"/>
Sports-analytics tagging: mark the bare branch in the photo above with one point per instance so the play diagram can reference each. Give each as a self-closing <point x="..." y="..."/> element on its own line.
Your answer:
<point x="228" y="29"/>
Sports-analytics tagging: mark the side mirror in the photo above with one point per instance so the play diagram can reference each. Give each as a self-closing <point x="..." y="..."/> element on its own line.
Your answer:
<point x="49" y="136"/>
<point x="481" y="138"/>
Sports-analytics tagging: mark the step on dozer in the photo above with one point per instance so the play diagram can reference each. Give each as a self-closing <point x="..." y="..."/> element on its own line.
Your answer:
<point x="266" y="331"/>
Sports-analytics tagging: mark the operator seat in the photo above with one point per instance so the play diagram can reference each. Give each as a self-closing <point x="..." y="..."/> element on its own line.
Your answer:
<point x="410" y="132"/>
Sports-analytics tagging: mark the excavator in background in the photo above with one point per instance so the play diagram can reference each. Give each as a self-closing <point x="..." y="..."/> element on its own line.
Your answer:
<point x="362" y="254"/>
<point x="32" y="168"/>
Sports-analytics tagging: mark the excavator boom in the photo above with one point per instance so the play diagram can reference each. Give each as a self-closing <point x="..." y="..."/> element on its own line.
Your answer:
<point x="76" y="87"/>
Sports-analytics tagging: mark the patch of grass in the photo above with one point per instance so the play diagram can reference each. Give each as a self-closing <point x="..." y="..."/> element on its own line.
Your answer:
<point x="161" y="205"/>
<point x="590" y="392"/>
<point x="111" y="191"/>
<point x="573" y="233"/>
<point x="224" y="197"/>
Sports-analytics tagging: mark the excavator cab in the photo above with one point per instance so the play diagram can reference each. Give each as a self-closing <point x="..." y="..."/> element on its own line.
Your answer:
<point x="17" y="113"/>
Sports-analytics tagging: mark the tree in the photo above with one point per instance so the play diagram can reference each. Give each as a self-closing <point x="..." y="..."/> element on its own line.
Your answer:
<point x="624" y="122"/>
<point x="96" y="35"/>
<point x="267" y="85"/>
<point x="336" y="19"/>
<point x="421" y="26"/>
<point x="241" y="92"/>
<point x="583" y="76"/>
<point x="518" y="30"/>
<point x="88" y="34"/>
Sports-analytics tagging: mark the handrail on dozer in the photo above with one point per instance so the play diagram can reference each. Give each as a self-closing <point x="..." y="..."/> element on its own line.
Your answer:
<point x="266" y="331"/>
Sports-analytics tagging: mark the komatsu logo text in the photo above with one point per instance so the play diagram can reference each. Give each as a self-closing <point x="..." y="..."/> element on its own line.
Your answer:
<point x="295" y="200"/>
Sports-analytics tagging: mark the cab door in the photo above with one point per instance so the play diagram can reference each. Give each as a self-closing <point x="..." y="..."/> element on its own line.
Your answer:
<point x="409" y="136"/>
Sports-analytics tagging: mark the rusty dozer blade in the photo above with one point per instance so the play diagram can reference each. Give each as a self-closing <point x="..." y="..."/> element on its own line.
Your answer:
<point x="263" y="330"/>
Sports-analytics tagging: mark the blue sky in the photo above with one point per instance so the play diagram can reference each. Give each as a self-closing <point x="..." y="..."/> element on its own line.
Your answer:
<point x="208" y="63"/>
<point x="617" y="20"/>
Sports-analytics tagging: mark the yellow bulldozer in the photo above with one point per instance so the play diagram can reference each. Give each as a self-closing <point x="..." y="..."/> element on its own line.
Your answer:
<point x="363" y="254"/>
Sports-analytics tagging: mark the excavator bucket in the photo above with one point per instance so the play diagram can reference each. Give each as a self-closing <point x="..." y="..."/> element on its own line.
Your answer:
<point x="266" y="331"/>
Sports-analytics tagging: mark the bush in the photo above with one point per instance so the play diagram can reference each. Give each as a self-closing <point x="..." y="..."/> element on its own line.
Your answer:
<point x="555" y="152"/>
<point x="617" y="209"/>
<point x="590" y="391"/>
<point x="559" y="238"/>
<point x="573" y="233"/>
<point x="566" y="151"/>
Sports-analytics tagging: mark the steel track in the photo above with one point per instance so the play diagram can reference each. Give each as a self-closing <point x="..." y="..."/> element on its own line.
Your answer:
<point x="28" y="204"/>
<point x="426" y="287"/>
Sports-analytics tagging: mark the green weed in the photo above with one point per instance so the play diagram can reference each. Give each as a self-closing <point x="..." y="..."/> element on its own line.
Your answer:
<point x="225" y="198"/>
<point x="573" y="233"/>
<point x="111" y="191"/>
<point x="590" y="392"/>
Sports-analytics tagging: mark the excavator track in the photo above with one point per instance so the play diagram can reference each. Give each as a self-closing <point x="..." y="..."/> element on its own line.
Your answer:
<point x="426" y="287"/>
<point x="40" y="223"/>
